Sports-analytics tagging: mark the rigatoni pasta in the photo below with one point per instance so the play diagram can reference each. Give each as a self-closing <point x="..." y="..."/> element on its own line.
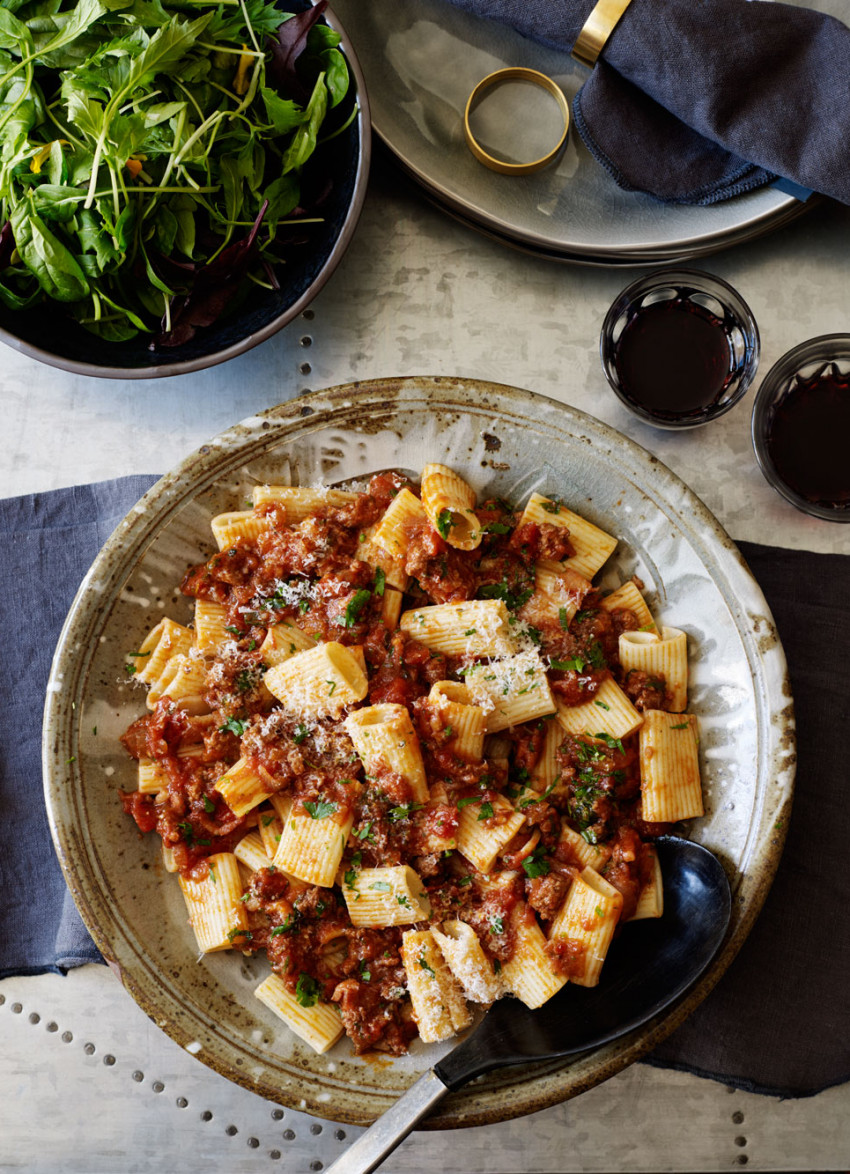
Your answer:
<point x="408" y="752"/>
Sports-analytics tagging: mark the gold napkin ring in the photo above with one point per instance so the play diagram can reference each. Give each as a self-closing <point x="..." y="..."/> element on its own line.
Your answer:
<point x="515" y="73"/>
<point x="597" y="29"/>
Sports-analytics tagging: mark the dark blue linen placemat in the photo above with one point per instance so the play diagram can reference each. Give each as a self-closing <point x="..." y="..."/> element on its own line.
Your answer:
<point x="778" y="1022"/>
<point x="695" y="101"/>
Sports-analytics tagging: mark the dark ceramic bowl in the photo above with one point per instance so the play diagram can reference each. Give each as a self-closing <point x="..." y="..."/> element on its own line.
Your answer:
<point x="46" y="335"/>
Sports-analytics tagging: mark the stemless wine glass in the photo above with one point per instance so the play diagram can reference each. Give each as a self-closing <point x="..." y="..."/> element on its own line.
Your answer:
<point x="801" y="425"/>
<point x="679" y="347"/>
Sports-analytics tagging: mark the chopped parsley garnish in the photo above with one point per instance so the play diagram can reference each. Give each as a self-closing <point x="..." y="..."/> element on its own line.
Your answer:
<point x="539" y="798"/>
<point x="497" y="528"/>
<point x="129" y="669"/>
<point x="461" y="803"/>
<point x="285" y="926"/>
<point x="365" y="833"/>
<point x="404" y="812"/>
<point x="365" y="973"/>
<point x="304" y="606"/>
<point x="536" y="864"/>
<point x="551" y="507"/>
<point x="209" y="806"/>
<point x="465" y="880"/>
<point x="233" y="631"/>
<point x="332" y="687"/>
<point x="513" y="600"/>
<point x="351" y="875"/>
<point x="423" y="962"/>
<point x="596" y="656"/>
<point x="307" y="990"/>
<point x="585" y="615"/>
<point x="602" y="705"/>
<point x="353" y="608"/>
<point x="246" y="681"/>
<point x="563" y="618"/>
<point x="239" y="933"/>
<point x="611" y="743"/>
<point x="300" y="734"/>
<point x="444" y="523"/>
<point x="381" y="887"/>
<point x="320" y="810"/>
<point x="574" y="665"/>
<point x="233" y="726"/>
<point x="402" y="900"/>
<point x="682" y="726"/>
<point x="138" y="654"/>
<point x="380" y="581"/>
<point x="497" y="925"/>
<point x="486" y="812"/>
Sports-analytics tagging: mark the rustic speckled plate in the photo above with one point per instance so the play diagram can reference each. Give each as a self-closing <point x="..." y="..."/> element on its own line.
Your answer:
<point x="506" y="441"/>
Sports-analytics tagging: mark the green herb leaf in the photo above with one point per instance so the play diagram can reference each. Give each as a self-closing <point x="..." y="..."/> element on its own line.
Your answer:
<point x="307" y="990"/>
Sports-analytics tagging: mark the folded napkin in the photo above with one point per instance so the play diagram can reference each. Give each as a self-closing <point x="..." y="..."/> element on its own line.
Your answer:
<point x="694" y="101"/>
<point x="779" y="1020"/>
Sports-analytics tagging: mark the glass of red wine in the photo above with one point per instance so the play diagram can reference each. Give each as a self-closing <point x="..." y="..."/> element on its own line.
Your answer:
<point x="679" y="347"/>
<point x="801" y="427"/>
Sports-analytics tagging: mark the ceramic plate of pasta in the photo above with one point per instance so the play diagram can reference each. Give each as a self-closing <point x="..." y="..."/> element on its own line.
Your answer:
<point x="368" y="715"/>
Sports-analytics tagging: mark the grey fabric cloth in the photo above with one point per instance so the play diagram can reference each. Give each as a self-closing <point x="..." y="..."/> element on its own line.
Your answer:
<point x="694" y="101"/>
<point x="778" y="1022"/>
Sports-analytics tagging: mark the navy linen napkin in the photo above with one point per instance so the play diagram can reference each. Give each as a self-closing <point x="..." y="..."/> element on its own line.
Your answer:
<point x="694" y="101"/>
<point x="779" y="1020"/>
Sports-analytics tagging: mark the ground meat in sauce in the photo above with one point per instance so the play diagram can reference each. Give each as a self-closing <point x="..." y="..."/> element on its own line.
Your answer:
<point x="310" y="575"/>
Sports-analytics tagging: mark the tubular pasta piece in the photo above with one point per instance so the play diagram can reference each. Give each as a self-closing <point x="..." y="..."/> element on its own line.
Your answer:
<point x="480" y="843"/>
<point x="368" y="551"/>
<point x="167" y="639"/>
<point x="529" y="974"/>
<point x="210" y="626"/>
<point x="608" y="712"/>
<point x="669" y="767"/>
<point x="244" y="786"/>
<point x="545" y="771"/>
<point x="311" y="848"/>
<point x="478" y="627"/>
<point x="251" y="851"/>
<point x="665" y="655"/>
<point x="300" y="502"/>
<point x="574" y="849"/>
<point x="184" y="680"/>
<point x="319" y="682"/>
<point x="319" y="1026"/>
<point x="283" y="641"/>
<point x="588" y="916"/>
<point x="153" y="777"/>
<point x="557" y="597"/>
<point x="467" y="961"/>
<point x="592" y="546"/>
<point x="651" y="897"/>
<point x="512" y="691"/>
<point x="227" y="528"/>
<point x="629" y="598"/>
<point x="439" y="1007"/>
<point x="391" y="602"/>
<point x="216" y="912"/>
<point x="467" y="722"/>
<point x="383" y="735"/>
<point x="385" y="896"/>
<point x="390" y="533"/>
<point x="448" y="502"/>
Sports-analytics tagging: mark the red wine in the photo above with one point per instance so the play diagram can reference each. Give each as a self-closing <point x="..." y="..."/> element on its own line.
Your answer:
<point x="674" y="358"/>
<point x="808" y="431"/>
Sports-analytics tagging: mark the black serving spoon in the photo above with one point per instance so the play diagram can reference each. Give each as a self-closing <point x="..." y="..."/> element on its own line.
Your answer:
<point x="648" y="967"/>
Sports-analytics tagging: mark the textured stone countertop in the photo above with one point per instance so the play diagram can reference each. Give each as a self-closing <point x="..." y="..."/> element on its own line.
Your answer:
<point x="90" y="1085"/>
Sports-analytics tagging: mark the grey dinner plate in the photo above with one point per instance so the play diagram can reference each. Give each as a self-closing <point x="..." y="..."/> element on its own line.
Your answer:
<point x="422" y="58"/>
<point x="505" y="441"/>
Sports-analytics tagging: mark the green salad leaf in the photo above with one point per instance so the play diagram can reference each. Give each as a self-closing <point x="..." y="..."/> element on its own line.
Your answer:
<point x="152" y="152"/>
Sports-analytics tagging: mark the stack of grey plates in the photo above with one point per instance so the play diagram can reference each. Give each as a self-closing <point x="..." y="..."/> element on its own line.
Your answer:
<point x="422" y="59"/>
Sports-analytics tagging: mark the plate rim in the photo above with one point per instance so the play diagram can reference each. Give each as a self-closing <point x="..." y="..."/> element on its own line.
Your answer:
<point x="683" y="248"/>
<point x="384" y="398"/>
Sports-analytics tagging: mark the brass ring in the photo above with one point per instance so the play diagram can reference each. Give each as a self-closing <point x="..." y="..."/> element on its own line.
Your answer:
<point x="597" y="29"/>
<point x="496" y="79"/>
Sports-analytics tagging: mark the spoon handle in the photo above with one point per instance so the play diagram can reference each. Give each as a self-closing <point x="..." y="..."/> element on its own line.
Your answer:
<point x="380" y="1139"/>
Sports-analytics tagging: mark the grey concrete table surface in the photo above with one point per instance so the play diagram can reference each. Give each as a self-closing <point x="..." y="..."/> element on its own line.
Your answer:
<point x="89" y="1084"/>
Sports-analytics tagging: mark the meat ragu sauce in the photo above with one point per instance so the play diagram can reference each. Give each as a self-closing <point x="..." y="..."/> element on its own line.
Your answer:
<point x="308" y="575"/>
